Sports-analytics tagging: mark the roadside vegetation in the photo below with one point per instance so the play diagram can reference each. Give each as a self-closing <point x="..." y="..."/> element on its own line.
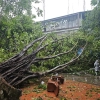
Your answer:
<point x="18" y="29"/>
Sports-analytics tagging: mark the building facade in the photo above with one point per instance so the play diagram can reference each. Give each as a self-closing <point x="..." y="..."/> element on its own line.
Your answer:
<point x="67" y="22"/>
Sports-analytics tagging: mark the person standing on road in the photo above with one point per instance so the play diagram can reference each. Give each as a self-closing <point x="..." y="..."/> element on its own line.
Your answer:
<point x="96" y="65"/>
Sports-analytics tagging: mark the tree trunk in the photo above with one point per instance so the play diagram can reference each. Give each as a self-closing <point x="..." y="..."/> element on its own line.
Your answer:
<point x="7" y="92"/>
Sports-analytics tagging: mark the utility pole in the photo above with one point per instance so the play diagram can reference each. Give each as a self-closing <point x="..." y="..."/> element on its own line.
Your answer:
<point x="83" y="5"/>
<point x="68" y="8"/>
<point x="43" y="9"/>
<point x="44" y="26"/>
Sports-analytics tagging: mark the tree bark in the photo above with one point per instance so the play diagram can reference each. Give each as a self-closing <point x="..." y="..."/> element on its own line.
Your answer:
<point x="7" y="92"/>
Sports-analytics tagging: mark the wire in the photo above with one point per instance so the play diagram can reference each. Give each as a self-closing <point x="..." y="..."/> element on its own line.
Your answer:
<point x="43" y="9"/>
<point x="83" y="5"/>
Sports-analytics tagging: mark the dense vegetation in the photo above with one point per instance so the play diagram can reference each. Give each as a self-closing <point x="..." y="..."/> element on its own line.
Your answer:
<point x="25" y="52"/>
<point x="18" y="29"/>
<point x="91" y="26"/>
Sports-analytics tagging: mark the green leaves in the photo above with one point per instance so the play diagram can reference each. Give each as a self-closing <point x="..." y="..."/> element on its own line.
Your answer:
<point x="93" y="2"/>
<point x="17" y="32"/>
<point x="92" y="22"/>
<point x="12" y="8"/>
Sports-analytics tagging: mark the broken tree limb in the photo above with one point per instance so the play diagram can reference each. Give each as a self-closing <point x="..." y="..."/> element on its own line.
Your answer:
<point x="17" y="69"/>
<point x="50" y="57"/>
<point x="19" y="55"/>
<point x="60" y="67"/>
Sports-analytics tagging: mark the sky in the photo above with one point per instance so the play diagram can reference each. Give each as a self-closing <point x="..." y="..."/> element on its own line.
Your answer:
<point x="57" y="8"/>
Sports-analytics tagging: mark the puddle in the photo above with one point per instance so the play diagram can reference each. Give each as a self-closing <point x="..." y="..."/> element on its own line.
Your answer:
<point x="83" y="78"/>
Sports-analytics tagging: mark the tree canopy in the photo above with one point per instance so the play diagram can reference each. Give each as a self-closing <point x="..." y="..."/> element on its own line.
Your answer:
<point x="92" y="22"/>
<point x="16" y="7"/>
<point x="95" y="2"/>
<point x="91" y="26"/>
<point x="17" y="25"/>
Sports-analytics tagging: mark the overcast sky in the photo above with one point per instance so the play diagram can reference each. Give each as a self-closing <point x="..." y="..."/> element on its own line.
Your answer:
<point x="56" y="8"/>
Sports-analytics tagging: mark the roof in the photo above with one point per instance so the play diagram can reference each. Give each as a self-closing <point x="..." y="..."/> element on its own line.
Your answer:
<point x="62" y="17"/>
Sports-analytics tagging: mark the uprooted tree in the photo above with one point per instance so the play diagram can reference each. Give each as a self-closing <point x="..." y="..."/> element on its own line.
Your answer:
<point x="20" y="67"/>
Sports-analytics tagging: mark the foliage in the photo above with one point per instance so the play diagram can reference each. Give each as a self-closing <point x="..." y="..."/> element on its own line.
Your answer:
<point x="4" y="55"/>
<point x="38" y="67"/>
<point x="37" y="98"/>
<point x="13" y="8"/>
<point x="95" y="2"/>
<point x="16" y="32"/>
<point x="17" y="26"/>
<point x="42" y="86"/>
<point x="91" y="27"/>
<point x="62" y="45"/>
<point x="92" y="22"/>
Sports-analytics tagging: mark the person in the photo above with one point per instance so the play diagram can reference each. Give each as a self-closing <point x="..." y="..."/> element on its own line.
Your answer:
<point x="96" y="65"/>
<point x="80" y="50"/>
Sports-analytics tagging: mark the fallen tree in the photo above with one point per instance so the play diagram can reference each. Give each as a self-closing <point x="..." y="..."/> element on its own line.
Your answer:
<point x="7" y="92"/>
<point x="17" y="69"/>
